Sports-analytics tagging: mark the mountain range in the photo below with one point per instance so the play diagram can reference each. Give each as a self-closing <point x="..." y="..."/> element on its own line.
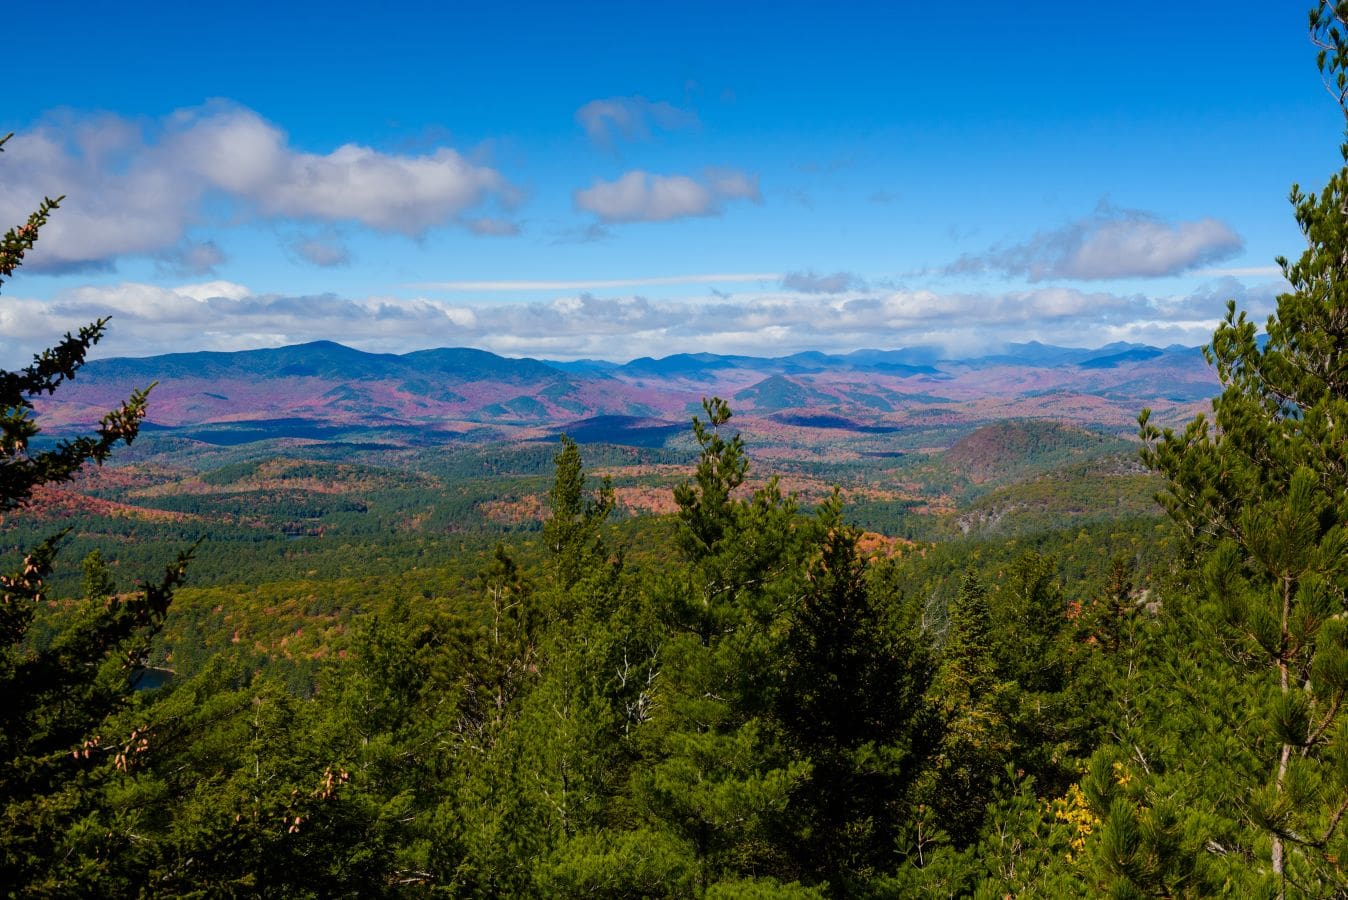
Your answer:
<point x="321" y="390"/>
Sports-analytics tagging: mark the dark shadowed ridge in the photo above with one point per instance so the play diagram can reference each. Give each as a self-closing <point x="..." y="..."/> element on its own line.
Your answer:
<point x="1134" y="354"/>
<point x="629" y="431"/>
<point x="831" y="422"/>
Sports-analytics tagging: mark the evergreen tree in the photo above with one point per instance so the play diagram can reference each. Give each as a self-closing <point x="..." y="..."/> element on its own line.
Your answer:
<point x="571" y="532"/>
<point x="1258" y="493"/>
<point x="530" y="811"/>
<point x="705" y="504"/>
<point x="1107" y="620"/>
<point x="1039" y="661"/>
<point x="507" y="650"/>
<point x="716" y="775"/>
<point x="54" y="743"/>
<point x="969" y="698"/>
<point x="98" y="582"/>
<point x="851" y="704"/>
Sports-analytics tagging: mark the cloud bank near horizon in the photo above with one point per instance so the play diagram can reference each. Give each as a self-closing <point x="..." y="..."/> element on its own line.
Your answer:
<point x="223" y="315"/>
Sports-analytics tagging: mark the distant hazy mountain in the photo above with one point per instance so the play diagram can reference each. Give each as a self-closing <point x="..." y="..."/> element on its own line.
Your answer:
<point x="324" y="388"/>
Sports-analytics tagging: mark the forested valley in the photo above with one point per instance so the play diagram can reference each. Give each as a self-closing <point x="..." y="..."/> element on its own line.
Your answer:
<point x="354" y="678"/>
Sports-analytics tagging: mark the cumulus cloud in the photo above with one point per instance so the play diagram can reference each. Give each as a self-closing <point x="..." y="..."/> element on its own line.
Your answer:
<point x="582" y="323"/>
<point x="1111" y="243"/>
<point x="810" y="283"/>
<point x="639" y="196"/>
<point x="135" y="187"/>
<point x="630" y="118"/>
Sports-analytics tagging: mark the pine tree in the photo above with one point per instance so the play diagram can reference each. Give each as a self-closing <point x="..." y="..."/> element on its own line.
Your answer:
<point x="571" y="532"/>
<point x="706" y="504"/>
<point x="716" y="776"/>
<point x="1258" y="492"/>
<point x="531" y="809"/>
<point x="58" y="698"/>
<point x="851" y="704"/>
<point x="98" y="582"/>
<point x="1107" y="620"/>
<point x="969" y="698"/>
<point x="1037" y="659"/>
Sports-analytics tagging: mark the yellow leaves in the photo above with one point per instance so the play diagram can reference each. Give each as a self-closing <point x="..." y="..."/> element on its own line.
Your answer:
<point x="1073" y="810"/>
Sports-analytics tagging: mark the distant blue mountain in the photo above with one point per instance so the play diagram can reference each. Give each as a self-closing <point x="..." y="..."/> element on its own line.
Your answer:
<point x="582" y="366"/>
<point x="1040" y="355"/>
<point x="1112" y="360"/>
<point x="326" y="359"/>
<point x="466" y="364"/>
<point x="327" y="386"/>
<point x="921" y="360"/>
<point x="679" y="365"/>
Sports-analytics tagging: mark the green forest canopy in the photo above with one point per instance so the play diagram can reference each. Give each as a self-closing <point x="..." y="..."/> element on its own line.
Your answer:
<point x="756" y="708"/>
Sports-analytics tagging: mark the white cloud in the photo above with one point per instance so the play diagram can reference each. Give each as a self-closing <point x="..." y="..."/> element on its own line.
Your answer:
<point x="207" y="289"/>
<point x="136" y="188"/>
<point x="639" y="196"/>
<point x="630" y="118"/>
<point x="1112" y="243"/>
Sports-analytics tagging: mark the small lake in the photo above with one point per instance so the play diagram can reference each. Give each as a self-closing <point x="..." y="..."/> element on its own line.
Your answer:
<point x="148" y="678"/>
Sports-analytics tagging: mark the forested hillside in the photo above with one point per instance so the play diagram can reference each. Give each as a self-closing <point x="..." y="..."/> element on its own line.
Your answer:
<point x="990" y="656"/>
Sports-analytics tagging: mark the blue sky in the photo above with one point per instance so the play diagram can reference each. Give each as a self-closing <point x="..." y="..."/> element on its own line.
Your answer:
<point x="619" y="180"/>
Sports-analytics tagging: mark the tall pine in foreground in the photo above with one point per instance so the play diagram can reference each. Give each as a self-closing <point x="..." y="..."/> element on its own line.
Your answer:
<point x="54" y="752"/>
<point x="1258" y="492"/>
<point x="716" y="775"/>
